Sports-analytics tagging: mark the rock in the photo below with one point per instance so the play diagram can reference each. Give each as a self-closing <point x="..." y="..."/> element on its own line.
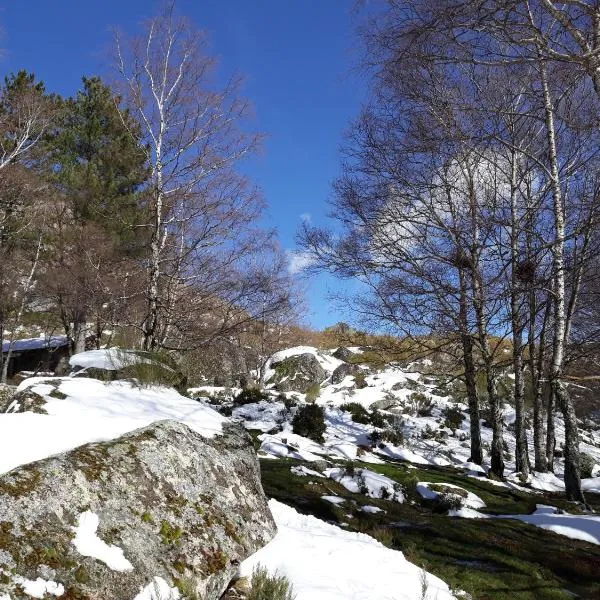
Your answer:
<point x="344" y="370"/>
<point x="408" y="384"/>
<point x="62" y="368"/>
<point x="159" y="507"/>
<point x="297" y="373"/>
<point x="342" y="353"/>
<point x="385" y="403"/>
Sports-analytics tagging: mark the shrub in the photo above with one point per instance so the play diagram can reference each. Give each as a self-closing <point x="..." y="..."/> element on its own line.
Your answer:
<point x="422" y="405"/>
<point x="313" y="392"/>
<point x="309" y="422"/>
<point x="379" y="420"/>
<point x="447" y="501"/>
<point x="147" y="368"/>
<point x="453" y="417"/>
<point x="266" y="586"/>
<point x="358" y="411"/>
<point x="393" y="436"/>
<point x="289" y="403"/>
<point x="587" y="465"/>
<point x="249" y="395"/>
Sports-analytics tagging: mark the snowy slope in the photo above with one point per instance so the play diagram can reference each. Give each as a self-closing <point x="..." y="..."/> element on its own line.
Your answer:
<point x="324" y="562"/>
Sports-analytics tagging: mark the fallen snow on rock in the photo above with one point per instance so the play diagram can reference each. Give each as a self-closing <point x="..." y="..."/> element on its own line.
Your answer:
<point x="109" y="359"/>
<point x="364" y="481"/>
<point x="468" y="499"/>
<point x="88" y="543"/>
<point x="333" y="499"/>
<point x="303" y="471"/>
<point x="324" y="562"/>
<point x="93" y="411"/>
<point x="371" y="509"/>
<point x="576" y="527"/>
<point x="38" y="588"/>
<point x="158" y="589"/>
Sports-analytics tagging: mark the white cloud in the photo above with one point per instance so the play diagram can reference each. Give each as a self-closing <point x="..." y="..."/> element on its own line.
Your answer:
<point x="298" y="260"/>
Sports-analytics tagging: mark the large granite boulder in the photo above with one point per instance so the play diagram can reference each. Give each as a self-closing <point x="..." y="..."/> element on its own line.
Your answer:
<point x="161" y="512"/>
<point x="297" y="373"/>
<point x="342" y="353"/>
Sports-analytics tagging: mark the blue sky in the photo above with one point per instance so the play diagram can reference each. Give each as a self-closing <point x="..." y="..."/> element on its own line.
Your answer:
<point x="298" y="57"/>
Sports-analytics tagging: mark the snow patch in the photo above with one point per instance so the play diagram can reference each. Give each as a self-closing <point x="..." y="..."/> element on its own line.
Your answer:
<point x="89" y="544"/>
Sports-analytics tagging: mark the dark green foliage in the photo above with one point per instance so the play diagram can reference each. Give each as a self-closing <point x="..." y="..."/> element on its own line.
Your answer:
<point x="423" y="405"/>
<point x="359" y="413"/>
<point x="309" y="422"/>
<point x="313" y="392"/>
<point x="453" y="417"/>
<point x="100" y="164"/>
<point x="250" y="395"/>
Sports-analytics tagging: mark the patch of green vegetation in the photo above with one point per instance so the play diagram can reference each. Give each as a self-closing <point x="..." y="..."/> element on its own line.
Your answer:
<point x="147" y="517"/>
<point x="57" y="394"/>
<point x="267" y="586"/>
<point x="313" y="392"/>
<point x="170" y="534"/>
<point x="250" y="395"/>
<point x="23" y="482"/>
<point x="492" y="559"/>
<point x="186" y="588"/>
<point x="81" y="575"/>
<point x="309" y="422"/>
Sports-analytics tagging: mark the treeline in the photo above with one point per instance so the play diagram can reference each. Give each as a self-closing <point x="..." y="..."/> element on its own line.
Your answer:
<point x="469" y="199"/>
<point x="122" y="209"/>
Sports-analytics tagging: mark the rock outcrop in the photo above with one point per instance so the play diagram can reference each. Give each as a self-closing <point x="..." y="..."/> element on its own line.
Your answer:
<point x="297" y="373"/>
<point x="161" y="508"/>
<point x="344" y="370"/>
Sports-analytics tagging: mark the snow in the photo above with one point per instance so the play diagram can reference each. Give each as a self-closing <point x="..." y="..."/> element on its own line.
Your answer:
<point x="592" y="484"/>
<point x="334" y="499"/>
<point x="324" y="562"/>
<point x="303" y="471"/>
<point x="109" y="359"/>
<point x="371" y="509"/>
<point x="576" y="527"/>
<point x="55" y="341"/>
<point x="38" y="588"/>
<point x="93" y="411"/>
<point x="158" y="589"/>
<point x="89" y="544"/>
<point x="366" y="481"/>
<point x="470" y="501"/>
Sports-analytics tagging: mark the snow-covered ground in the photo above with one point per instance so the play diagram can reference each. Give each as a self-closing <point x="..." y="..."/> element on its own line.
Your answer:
<point x="324" y="562"/>
<point x="92" y="411"/>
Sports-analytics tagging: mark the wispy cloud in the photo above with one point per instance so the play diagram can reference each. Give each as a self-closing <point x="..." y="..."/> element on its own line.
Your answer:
<point x="298" y="260"/>
<point x="306" y="217"/>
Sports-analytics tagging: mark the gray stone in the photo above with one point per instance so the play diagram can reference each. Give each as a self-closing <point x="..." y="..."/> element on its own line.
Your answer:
<point x="342" y="353"/>
<point x="344" y="370"/>
<point x="180" y="506"/>
<point x="297" y="373"/>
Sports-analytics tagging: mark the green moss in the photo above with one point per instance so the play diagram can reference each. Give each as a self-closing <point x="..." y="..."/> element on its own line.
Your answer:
<point x="186" y="588"/>
<point x="92" y="460"/>
<point x="147" y="517"/>
<point x="81" y="575"/>
<point x="57" y="394"/>
<point x="170" y="534"/>
<point x="23" y="482"/>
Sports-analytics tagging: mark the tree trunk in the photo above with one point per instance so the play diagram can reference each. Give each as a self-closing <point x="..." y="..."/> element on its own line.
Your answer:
<point x="470" y="375"/>
<point x="521" y="454"/>
<point x="558" y="389"/>
<point x="79" y="333"/>
<point x="536" y="366"/>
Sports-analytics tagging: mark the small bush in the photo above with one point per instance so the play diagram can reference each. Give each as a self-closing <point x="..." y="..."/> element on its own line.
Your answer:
<point x="447" y="501"/>
<point x="453" y="417"/>
<point x="358" y="411"/>
<point x="393" y="436"/>
<point x="249" y="395"/>
<point x="309" y="422"/>
<point x="422" y="405"/>
<point x="289" y="403"/>
<point x="313" y="392"/>
<point x="379" y="420"/>
<point x="587" y="464"/>
<point x="265" y="586"/>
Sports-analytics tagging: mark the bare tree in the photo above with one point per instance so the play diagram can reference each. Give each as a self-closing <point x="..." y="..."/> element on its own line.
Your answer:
<point x="201" y="214"/>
